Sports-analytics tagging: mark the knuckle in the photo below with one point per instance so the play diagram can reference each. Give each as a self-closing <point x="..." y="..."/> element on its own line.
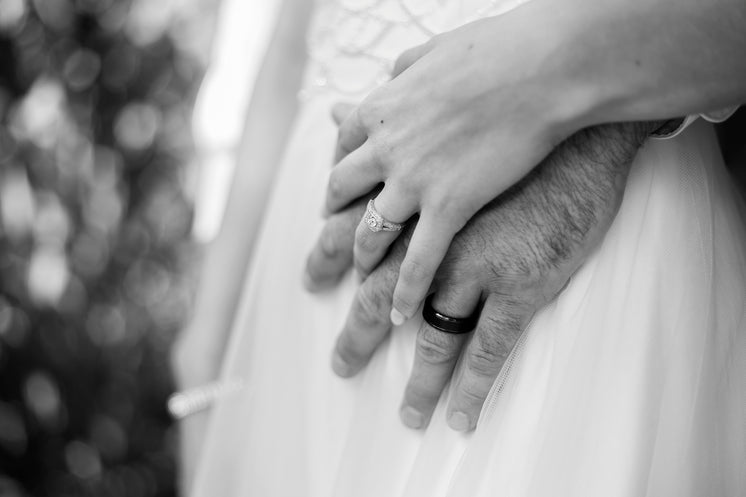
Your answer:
<point x="488" y="356"/>
<point x="435" y="348"/>
<point x="442" y="202"/>
<point x="518" y="277"/>
<point x="413" y="271"/>
<point x="473" y="393"/>
<point x="507" y="323"/>
<point x="550" y="250"/>
<point x="451" y="209"/>
<point x="368" y="111"/>
<point x="408" y="185"/>
<point x="484" y="363"/>
<point x="370" y="308"/>
<point x="461" y="268"/>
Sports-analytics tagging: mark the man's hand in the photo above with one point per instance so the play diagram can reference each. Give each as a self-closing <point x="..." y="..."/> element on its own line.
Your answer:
<point x="445" y="142"/>
<point x="512" y="258"/>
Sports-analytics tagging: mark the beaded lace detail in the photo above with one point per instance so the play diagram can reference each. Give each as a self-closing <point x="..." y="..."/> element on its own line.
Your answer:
<point x="353" y="44"/>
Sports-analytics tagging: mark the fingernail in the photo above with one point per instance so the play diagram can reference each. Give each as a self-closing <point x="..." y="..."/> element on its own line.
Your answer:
<point x="341" y="367"/>
<point x="397" y="317"/>
<point x="412" y="418"/>
<point x="459" y="421"/>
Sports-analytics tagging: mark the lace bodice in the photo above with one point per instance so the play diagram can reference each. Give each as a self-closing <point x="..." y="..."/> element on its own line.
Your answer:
<point x="353" y="44"/>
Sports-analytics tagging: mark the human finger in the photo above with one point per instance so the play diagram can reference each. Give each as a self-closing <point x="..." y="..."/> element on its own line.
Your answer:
<point x="357" y="174"/>
<point x="367" y="323"/>
<point x="430" y="241"/>
<point x="332" y="254"/>
<point x="382" y="224"/>
<point x="352" y="134"/>
<point x="341" y="111"/>
<point x="500" y="324"/>
<point x="436" y="354"/>
<point x="409" y="57"/>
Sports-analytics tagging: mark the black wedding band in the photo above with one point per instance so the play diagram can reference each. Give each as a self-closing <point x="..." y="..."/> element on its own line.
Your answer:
<point x="445" y="323"/>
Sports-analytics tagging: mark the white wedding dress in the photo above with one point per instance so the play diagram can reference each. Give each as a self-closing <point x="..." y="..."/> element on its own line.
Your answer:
<point x="632" y="383"/>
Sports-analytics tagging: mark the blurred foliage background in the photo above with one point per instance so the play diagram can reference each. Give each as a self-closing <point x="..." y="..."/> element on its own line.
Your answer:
<point x="95" y="164"/>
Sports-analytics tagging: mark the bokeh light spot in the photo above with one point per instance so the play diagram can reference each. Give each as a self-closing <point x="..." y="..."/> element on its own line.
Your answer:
<point x="47" y="275"/>
<point x="89" y="254"/>
<point x="40" y="113"/>
<point x="137" y="125"/>
<point x="57" y="14"/>
<point x="121" y="65"/>
<point x="52" y="224"/>
<point x="106" y="325"/>
<point x="17" y="204"/>
<point x="109" y="437"/>
<point x="12" y="430"/>
<point x="104" y="209"/>
<point x="82" y="460"/>
<point x="13" y="14"/>
<point x="42" y="397"/>
<point x="10" y="488"/>
<point x="81" y="69"/>
<point x="147" y="283"/>
<point x="14" y="324"/>
<point x="75" y="297"/>
<point x="148" y="20"/>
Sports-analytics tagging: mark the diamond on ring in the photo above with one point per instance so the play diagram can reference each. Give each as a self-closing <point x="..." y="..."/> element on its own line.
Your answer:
<point x="376" y="222"/>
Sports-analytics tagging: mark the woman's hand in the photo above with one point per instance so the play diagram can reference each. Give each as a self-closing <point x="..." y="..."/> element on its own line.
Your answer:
<point x="513" y="257"/>
<point x="466" y="116"/>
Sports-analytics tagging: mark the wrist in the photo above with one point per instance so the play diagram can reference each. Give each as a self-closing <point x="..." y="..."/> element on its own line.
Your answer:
<point x="601" y="73"/>
<point x="638" y="61"/>
<point x="572" y="98"/>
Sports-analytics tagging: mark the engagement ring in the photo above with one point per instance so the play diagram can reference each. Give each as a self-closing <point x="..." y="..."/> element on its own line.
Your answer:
<point x="376" y="222"/>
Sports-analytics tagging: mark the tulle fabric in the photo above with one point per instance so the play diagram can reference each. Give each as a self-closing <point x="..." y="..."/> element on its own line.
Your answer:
<point x="632" y="383"/>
